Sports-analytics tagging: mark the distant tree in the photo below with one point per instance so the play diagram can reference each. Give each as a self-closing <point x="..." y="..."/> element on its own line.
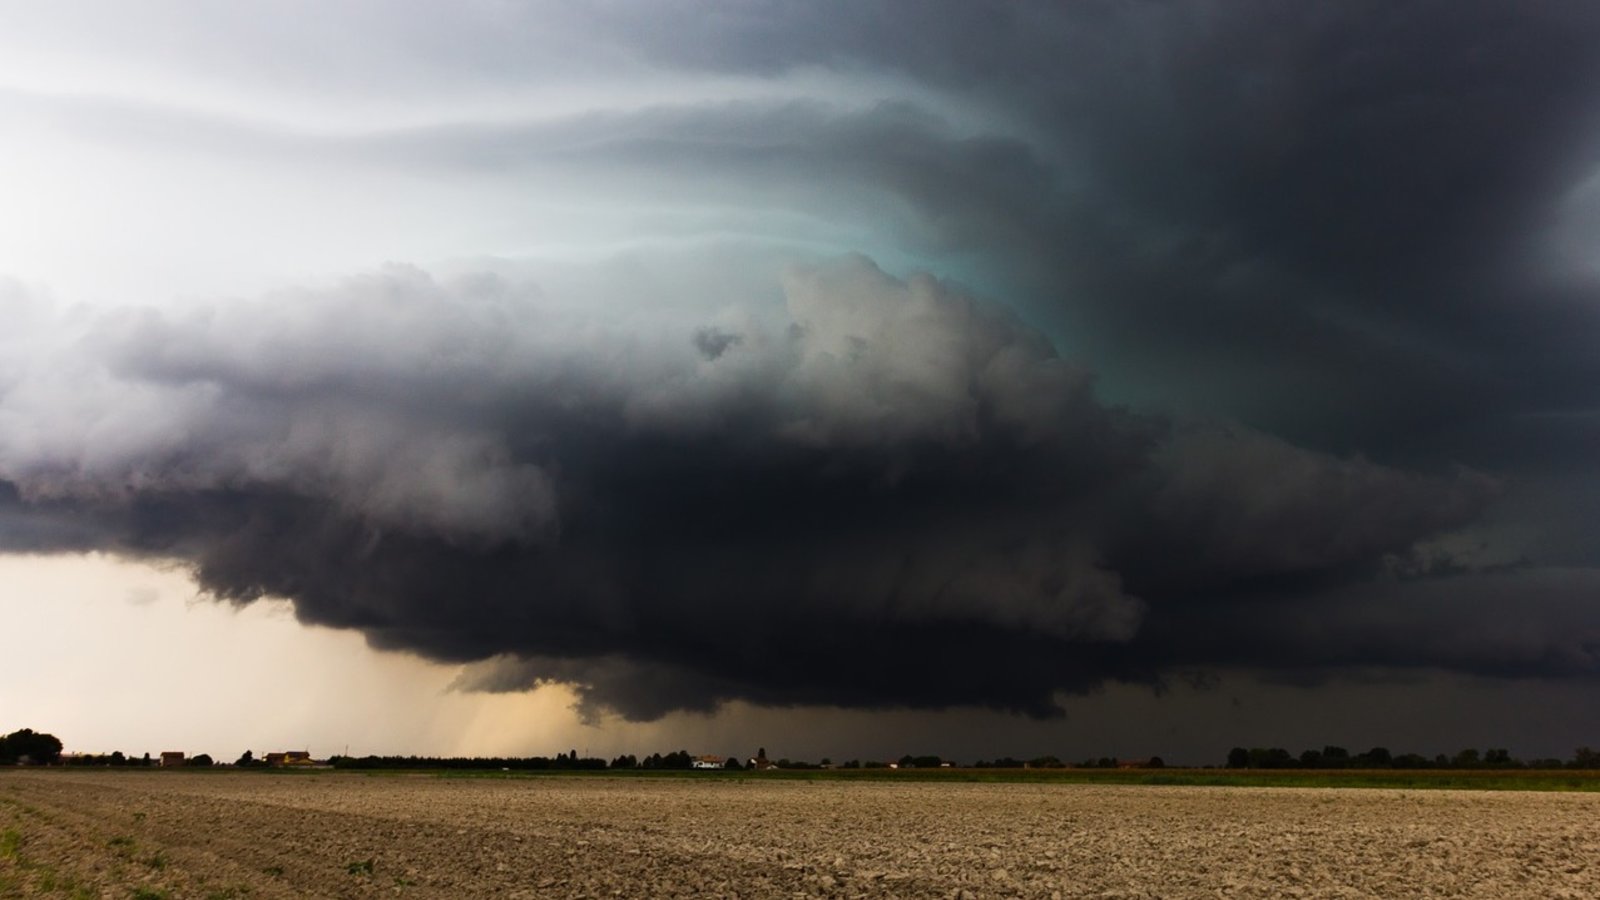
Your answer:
<point x="1466" y="759"/>
<point x="1270" y="758"/>
<point x="1312" y="759"/>
<point x="625" y="761"/>
<point x="1003" y="762"/>
<point x="202" y="759"/>
<point x="851" y="764"/>
<point x="1585" y="758"/>
<point x="30" y="746"/>
<point x="733" y="763"/>
<point x="245" y="760"/>
<point x="1156" y="762"/>
<point x="1335" y="757"/>
<point x="1238" y="758"/>
<point x="117" y="759"/>
<point x="1498" y="758"/>
<point x="1376" y="758"/>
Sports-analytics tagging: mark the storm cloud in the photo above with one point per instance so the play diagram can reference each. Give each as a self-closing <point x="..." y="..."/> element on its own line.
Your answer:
<point x="892" y="488"/>
<point x="861" y="355"/>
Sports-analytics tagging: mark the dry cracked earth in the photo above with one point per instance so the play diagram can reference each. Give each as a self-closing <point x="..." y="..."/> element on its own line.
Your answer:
<point x="153" y="834"/>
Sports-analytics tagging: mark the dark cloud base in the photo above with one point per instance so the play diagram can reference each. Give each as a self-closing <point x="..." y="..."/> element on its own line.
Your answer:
<point x="901" y="497"/>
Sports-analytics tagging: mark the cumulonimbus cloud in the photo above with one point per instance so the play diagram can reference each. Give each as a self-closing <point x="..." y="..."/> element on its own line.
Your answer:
<point x="891" y="493"/>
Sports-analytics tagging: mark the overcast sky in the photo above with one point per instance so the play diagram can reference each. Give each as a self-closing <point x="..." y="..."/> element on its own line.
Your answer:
<point x="846" y="379"/>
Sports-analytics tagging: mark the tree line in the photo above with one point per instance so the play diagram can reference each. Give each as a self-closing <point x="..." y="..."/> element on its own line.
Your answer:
<point x="27" y="746"/>
<point x="569" y="761"/>
<point x="1381" y="758"/>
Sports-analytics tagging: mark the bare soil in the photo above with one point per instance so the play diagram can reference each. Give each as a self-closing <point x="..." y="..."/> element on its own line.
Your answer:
<point x="218" y="835"/>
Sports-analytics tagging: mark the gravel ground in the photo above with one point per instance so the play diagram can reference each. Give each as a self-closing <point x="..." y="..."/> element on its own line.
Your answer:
<point x="228" y="835"/>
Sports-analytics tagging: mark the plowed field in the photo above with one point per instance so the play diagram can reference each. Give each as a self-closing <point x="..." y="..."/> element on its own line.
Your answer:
<point x="150" y="834"/>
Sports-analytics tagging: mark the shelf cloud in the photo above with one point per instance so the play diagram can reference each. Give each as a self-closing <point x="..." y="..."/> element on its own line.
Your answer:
<point x="889" y="489"/>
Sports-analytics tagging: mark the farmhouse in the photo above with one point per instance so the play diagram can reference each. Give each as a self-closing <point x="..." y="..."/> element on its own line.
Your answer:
<point x="289" y="758"/>
<point x="710" y="762"/>
<point x="172" y="758"/>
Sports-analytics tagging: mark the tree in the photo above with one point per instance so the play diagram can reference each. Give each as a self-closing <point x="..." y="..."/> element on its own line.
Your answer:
<point x="202" y="760"/>
<point x="1238" y="758"/>
<point x="245" y="760"/>
<point x="30" y="746"/>
<point x="1376" y="758"/>
<point x="1270" y="758"/>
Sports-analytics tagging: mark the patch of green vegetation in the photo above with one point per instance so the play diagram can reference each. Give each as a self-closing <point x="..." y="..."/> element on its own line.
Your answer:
<point x="138" y="817"/>
<point x="10" y="844"/>
<point x="120" y="840"/>
<point x="1415" y="779"/>
<point x="274" y="871"/>
<point x="149" y="893"/>
<point x="156" y="860"/>
<point x="364" y="867"/>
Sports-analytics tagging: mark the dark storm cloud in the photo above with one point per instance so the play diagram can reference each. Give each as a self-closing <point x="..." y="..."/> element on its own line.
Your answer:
<point x="1327" y="221"/>
<point x="1326" y="255"/>
<point x="893" y="495"/>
